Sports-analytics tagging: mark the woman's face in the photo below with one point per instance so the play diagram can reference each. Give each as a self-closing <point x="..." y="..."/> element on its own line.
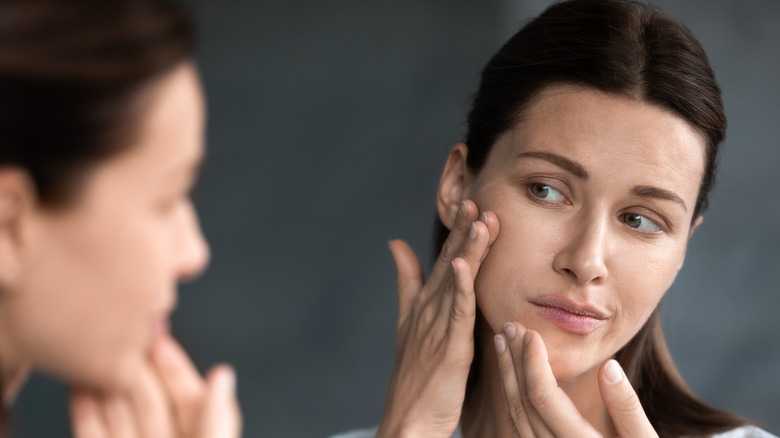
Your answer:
<point x="595" y="194"/>
<point x="99" y="278"/>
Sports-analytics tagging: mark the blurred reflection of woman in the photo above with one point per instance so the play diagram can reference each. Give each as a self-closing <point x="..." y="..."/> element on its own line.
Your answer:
<point x="101" y="136"/>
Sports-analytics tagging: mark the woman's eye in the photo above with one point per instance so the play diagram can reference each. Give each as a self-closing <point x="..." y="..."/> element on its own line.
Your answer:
<point x="641" y="223"/>
<point x="547" y="193"/>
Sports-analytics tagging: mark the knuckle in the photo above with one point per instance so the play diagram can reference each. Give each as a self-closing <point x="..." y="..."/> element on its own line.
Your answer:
<point x="539" y="397"/>
<point x="518" y="411"/>
<point x="461" y="311"/>
<point x="628" y="404"/>
<point x="448" y="250"/>
<point x="428" y="313"/>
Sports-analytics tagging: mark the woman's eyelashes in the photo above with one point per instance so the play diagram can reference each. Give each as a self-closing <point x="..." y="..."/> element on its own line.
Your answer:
<point x="640" y="223"/>
<point x="553" y="194"/>
<point x="547" y="193"/>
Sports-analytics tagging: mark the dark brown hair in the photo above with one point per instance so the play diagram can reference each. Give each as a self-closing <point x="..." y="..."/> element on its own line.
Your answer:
<point x="72" y="77"/>
<point x="629" y="49"/>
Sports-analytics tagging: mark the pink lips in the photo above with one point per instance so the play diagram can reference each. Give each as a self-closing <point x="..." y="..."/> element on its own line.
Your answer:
<point x="568" y="315"/>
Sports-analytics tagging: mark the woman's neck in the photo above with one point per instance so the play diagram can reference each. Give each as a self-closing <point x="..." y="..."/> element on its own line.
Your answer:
<point x="13" y="370"/>
<point x="485" y="412"/>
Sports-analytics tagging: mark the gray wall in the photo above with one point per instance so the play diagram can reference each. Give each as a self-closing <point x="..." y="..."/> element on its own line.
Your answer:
<point x="329" y="122"/>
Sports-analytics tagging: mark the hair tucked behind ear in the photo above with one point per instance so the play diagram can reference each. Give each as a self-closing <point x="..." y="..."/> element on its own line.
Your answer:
<point x="629" y="49"/>
<point x="71" y="75"/>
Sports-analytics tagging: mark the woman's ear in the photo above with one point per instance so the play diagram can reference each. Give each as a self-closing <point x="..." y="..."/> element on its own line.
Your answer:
<point x="453" y="185"/>
<point x="15" y="197"/>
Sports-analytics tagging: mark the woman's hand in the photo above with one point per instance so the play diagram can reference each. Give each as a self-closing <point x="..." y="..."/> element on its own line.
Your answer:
<point x="435" y="337"/>
<point x="539" y="408"/>
<point x="168" y="400"/>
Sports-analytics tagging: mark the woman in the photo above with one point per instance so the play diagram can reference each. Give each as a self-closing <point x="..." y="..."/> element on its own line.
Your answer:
<point x="591" y="149"/>
<point x="101" y="135"/>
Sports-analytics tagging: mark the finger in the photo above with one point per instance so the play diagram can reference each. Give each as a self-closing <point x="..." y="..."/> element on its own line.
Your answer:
<point x="491" y="220"/>
<point x="511" y="386"/>
<point x="454" y="302"/>
<point x="180" y="379"/>
<point x="85" y="417"/>
<point x="464" y="307"/>
<point x="458" y="284"/>
<point x="221" y="414"/>
<point x="409" y="275"/>
<point x="514" y="333"/>
<point x="467" y="214"/>
<point x="623" y="405"/>
<point x="559" y="416"/>
<point x="151" y="406"/>
<point x="119" y="418"/>
<point x="475" y="248"/>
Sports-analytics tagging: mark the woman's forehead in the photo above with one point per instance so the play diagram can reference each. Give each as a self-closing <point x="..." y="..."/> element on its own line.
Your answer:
<point x="609" y="134"/>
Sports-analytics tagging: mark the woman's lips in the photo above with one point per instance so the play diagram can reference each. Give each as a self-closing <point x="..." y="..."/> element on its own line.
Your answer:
<point x="580" y="319"/>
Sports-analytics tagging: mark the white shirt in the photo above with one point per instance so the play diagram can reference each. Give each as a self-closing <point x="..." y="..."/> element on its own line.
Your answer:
<point x="741" y="432"/>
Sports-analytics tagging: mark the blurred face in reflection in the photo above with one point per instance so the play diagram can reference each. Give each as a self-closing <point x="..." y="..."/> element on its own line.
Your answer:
<point x="98" y="278"/>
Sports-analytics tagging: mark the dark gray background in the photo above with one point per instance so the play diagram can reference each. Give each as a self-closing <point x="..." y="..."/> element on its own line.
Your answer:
<point x="329" y="123"/>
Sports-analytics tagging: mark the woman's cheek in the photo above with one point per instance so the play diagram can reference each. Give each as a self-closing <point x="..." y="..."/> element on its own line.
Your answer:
<point x="517" y="262"/>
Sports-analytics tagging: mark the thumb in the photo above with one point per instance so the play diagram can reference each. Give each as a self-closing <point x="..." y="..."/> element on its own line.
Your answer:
<point x="221" y="416"/>
<point x="410" y="275"/>
<point x="627" y="414"/>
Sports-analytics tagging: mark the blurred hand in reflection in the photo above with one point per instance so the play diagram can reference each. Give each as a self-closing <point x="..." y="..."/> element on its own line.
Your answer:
<point x="170" y="400"/>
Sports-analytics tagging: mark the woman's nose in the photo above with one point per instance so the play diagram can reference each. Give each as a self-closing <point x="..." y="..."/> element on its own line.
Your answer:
<point x="193" y="253"/>
<point x="583" y="255"/>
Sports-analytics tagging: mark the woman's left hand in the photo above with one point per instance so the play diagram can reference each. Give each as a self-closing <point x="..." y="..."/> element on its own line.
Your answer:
<point x="539" y="408"/>
<point x="169" y="399"/>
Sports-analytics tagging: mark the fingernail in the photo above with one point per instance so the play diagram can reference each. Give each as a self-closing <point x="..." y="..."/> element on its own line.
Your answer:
<point x="500" y="343"/>
<point x="227" y="380"/>
<point x="162" y="352"/>
<point x="510" y="330"/>
<point x="462" y="209"/>
<point x="527" y="337"/>
<point x="483" y="217"/>
<point x="454" y="267"/>
<point x="473" y="232"/>
<point x="613" y="372"/>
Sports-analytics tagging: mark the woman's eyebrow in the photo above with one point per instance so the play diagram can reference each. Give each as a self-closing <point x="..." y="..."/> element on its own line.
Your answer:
<point x="559" y="160"/>
<point x="655" y="192"/>
<point x="576" y="169"/>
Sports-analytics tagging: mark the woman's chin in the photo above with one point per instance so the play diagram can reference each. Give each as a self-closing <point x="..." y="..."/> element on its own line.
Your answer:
<point x="568" y="362"/>
<point x="124" y="374"/>
<point x="564" y="371"/>
<point x="568" y="368"/>
<point x="114" y="376"/>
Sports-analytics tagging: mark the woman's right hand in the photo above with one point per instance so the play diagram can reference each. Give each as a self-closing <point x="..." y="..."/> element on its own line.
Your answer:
<point x="435" y="336"/>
